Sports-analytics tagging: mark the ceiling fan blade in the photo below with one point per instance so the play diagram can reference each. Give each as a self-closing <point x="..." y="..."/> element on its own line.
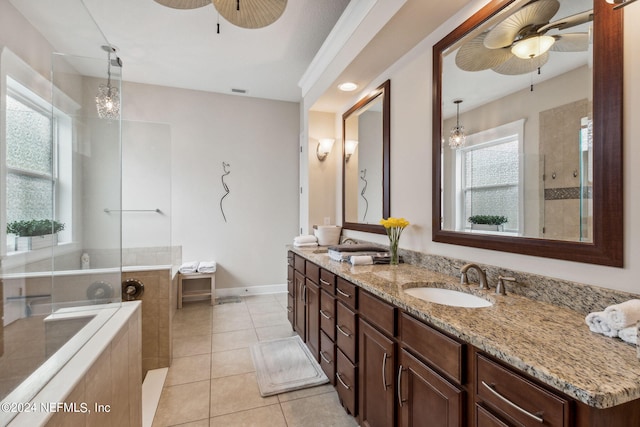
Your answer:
<point x="569" y="21"/>
<point x="572" y="42"/>
<point x="516" y="66"/>
<point x="536" y="13"/>
<point x="184" y="4"/>
<point x="474" y="56"/>
<point x="250" y="13"/>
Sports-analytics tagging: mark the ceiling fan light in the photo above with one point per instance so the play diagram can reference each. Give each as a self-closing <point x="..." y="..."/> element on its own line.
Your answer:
<point x="532" y="47"/>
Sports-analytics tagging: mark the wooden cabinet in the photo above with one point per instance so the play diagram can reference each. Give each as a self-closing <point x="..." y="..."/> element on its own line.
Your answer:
<point x="300" y="305"/>
<point x="425" y="397"/>
<point x="312" y="293"/>
<point x="376" y="378"/>
<point x="346" y="382"/>
<point x="291" y="296"/>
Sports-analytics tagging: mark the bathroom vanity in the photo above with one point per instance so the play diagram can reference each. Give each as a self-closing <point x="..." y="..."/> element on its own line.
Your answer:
<point x="399" y="360"/>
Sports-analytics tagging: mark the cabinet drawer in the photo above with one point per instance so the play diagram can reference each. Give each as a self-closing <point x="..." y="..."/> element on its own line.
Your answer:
<point x="485" y="418"/>
<point x="328" y="357"/>
<point x="290" y="308"/>
<point x="378" y="313"/>
<point x="439" y="350"/>
<point x="518" y="398"/>
<point x="290" y="258"/>
<point x="328" y="281"/>
<point x="312" y="271"/>
<point x="346" y="331"/>
<point x="347" y="292"/>
<point x="346" y="380"/>
<point x="328" y="314"/>
<point x="298" y="263"/>
<point x="290" y="285"/>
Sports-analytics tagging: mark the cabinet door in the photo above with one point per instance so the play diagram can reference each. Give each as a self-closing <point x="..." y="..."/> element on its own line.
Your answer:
<point x="313" y="318"/>
<point x="300" y="312"/>
<point x="425" y="398"/>
<point x="376" y="365"/>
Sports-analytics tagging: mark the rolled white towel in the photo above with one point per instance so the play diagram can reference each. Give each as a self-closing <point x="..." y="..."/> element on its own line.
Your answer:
<point x="629" y="334"/>
<point x="597" y="322"/>
<point x="361" y="260"/>
<point x="305" y="245"/>
<point x="207" y="267"/>
<point x="188" y="267"/>
<point x="305" y="239"/>
<point x="624" y="314"/>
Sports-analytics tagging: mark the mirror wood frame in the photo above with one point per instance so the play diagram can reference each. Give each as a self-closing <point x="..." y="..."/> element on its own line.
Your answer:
<point x="383" y="90"/>
<point x="607" y="245"/>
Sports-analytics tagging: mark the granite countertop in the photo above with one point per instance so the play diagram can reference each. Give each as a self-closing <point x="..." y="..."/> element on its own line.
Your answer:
<point x="550" y="343"/>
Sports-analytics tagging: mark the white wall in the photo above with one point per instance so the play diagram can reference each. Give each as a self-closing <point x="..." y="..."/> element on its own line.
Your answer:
<point x="323" y="175"/>
<point x="259" y="139"/>
<point x="411" y="167"/>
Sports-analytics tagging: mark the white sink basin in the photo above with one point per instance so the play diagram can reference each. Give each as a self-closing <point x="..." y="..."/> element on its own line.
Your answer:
<point x="448" y="297"/>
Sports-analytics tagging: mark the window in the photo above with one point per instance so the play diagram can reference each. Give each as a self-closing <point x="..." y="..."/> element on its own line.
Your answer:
<point x="490" y="176"/>
<point x="35" y="141"/>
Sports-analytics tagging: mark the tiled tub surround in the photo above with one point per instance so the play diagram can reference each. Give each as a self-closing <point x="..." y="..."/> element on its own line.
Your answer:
<point x="546" y="340"/>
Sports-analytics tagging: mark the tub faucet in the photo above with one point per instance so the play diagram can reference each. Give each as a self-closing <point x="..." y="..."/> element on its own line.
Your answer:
<point x="481" y="273"/>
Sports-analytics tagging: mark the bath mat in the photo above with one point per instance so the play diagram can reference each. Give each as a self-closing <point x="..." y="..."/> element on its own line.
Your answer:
<point x="285" y="364"/>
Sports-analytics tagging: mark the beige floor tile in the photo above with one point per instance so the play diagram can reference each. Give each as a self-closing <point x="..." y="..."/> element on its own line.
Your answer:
<point x="274" y="332"/>
<point x="259" y="299"/>
<point x="192" y="327"/>
<point x="270" y="319"/>
<point x="231" y="323"/>
<point x="183" y="403"/>
<point x="233" y="340"/>
<point x="191" y="345"/>
<point x="189" y="369"/>
<point x="199" y="423"/>
<point x="270" y="416"/>
<point x="321" y="410"/>
<point x="265" y="307"/>
<point x="232" y="362"/>
<point x="237" y="393"/>
<point x="239" y="307"/>
<point x="306" y="392"/>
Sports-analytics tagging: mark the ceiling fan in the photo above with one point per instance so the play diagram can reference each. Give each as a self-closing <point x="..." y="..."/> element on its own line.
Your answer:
<point x="520" y="44"/>
<point x="243" y="13"/>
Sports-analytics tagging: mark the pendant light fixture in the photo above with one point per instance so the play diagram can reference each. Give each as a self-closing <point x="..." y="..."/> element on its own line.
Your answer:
<point x="108" y="97"/>
<point x="457" y="136"/>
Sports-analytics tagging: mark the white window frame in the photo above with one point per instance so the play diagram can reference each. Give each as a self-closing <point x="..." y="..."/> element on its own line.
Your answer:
<point x="487" y="138"/>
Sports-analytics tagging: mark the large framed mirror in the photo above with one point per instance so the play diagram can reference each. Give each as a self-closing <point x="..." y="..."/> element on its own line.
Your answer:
<point x="366" y="142"/>
<point x="527" y="131"/>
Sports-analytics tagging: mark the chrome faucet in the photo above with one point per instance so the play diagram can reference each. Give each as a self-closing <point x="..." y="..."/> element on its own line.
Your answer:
<point x="481" y="273"/>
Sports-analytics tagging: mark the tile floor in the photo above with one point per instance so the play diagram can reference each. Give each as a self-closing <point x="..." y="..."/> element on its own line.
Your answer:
<point x="212" y="380"/>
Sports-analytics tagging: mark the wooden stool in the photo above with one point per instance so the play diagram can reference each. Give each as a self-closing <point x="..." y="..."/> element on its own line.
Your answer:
<point x="196" y="293"/>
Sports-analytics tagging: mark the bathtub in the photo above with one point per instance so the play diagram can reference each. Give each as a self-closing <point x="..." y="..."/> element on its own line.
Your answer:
<point x="30" y="402"/>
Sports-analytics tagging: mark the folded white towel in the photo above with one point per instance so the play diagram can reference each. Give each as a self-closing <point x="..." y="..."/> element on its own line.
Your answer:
<point x="597" y="322"/>
<point x="305" y="239"/>
<point x="624" y="314"/>
<point x="305" y="245"/>
<point x="629" y="334"/>
<point x="188" y="267"/>
<point x="207" y="267"/>
<point x="361" y="260"/>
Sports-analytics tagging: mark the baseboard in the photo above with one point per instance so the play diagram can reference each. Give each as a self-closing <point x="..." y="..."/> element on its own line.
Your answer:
<point x="250" y="290"/>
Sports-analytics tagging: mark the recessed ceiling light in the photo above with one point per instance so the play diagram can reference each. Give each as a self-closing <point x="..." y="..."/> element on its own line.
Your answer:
<point x="347" y="86"/>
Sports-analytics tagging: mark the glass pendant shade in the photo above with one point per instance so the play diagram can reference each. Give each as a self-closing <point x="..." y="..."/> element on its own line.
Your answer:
<point x="457" y="136"/>
<point x="532" y="47"/>
<point x="108" y="102"/>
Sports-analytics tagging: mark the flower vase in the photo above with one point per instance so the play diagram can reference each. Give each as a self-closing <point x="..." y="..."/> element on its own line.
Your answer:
<point x="393" y="248"/>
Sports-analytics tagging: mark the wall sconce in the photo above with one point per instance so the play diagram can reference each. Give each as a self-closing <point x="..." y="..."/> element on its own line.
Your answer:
<point x="620" y="3"/>
<point x="350" y="146"/>
<point x="324" y="148"/>
<point x="457" y="136"/>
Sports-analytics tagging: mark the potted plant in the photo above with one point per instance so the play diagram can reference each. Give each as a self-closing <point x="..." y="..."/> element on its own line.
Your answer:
<point x="487" y="222"/>
<point x="35" y="233"/>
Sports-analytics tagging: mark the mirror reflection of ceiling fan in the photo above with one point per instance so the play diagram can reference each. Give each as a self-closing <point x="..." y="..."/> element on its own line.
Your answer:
<point x="520" y="44"/>
<point x="243" y="13"/>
